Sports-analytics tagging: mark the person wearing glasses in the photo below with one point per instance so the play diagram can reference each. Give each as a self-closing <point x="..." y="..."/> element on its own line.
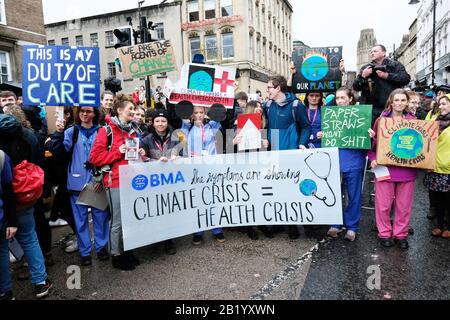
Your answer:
<point x="287" y="122"/>
<point x="77" y="142"/>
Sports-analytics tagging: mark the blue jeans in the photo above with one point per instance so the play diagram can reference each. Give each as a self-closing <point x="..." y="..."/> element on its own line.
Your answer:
<point x="215" y="232"/>
<point x="5" y="276"/>
<point x="27" y="238"/>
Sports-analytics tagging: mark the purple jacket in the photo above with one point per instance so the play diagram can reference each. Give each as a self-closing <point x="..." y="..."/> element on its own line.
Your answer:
<point x="398" y="174"/>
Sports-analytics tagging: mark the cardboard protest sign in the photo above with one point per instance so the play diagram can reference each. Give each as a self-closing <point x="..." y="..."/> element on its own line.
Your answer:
<point x="317" y="69"/>
<point x="346" y="127"/>
<point x="407" y="143"/>
<point x="147" y="59"/>
<point x="61" y="76"/>
<point x="204" y="85"/>
<point x="169" y="200"/>
<point x="249" y="128"/>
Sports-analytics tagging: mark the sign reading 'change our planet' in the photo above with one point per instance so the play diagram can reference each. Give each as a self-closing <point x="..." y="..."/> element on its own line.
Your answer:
<point x="169" y="200"/>
<point x="61" y="76"/>
<point x="317" y="69"/>
<point x="407" y="143"/>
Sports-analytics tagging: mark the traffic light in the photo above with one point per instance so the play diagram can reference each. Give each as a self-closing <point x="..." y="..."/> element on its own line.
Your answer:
<point x="124" y="37"/>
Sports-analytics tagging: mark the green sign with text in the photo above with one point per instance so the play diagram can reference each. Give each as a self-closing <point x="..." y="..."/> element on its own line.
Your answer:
<point x="346" y="127"/>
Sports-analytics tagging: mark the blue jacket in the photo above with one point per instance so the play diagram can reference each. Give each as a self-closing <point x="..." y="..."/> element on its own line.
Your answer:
<point x="352" y="160"/>
<point x="78" y="175"/>
<point x="198" y="143"/>
<point x="279" y="117"/>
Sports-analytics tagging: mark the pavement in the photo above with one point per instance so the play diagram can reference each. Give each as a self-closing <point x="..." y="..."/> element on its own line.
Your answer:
<point x="309" y="268"/>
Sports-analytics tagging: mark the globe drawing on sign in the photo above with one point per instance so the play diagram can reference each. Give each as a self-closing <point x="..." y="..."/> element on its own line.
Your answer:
<point x="315" y="67"/>
<point x="308" y="187"/>
<point x="407" y="143"/>
<point x="201" y="80"/>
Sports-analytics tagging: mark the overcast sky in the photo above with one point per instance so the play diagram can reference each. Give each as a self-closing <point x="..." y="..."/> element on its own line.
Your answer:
<point x="316" y="22"/>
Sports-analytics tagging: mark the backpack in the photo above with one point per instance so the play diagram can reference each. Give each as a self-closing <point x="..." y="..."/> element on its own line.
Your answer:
<point x="28" y="182"/>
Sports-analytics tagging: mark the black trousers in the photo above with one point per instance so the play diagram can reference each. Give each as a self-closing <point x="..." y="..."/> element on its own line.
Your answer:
<point x="440" y="201"/>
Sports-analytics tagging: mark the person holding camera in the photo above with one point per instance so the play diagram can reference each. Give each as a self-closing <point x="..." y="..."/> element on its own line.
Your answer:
<point x="77" y="142"/>
<point x="378" y="79"/>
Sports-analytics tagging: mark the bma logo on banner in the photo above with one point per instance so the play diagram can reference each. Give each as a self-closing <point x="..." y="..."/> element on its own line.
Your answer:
<point x="141" y="182"/>
<point x="61" y="76"/>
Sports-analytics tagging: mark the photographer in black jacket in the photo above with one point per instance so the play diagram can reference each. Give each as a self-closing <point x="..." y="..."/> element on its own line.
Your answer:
<point x="378" y="79"/>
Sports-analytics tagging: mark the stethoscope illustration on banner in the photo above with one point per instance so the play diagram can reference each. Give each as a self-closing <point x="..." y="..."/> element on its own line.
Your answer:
<point x="315" y="163"/>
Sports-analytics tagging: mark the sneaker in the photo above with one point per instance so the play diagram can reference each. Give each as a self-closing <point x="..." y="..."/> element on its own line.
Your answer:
<point x="121" y="263"/>
<point x="58" y="223"/>
<point x="220" y="238"/>
<point x="103" y="254"/>
<point x="333" y="232"/>
<point x="169" y="247"/>
<point x="197" y="240"/>
<point x="42" y="290"/>
<point x="8" y="295"/>
<point x="446" y="234"/>
<point x="386" y="242"/>
<point x="72" y="248"/>
<point x="436" y="232"/>
<point x="403" y="244"/>
<point x="86" y="261"/>
<point x="350" y="236"/>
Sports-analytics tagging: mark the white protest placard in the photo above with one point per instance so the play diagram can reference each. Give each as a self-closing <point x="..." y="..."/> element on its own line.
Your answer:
<point x="204" y="85"/>
<point x="161" y="201"/>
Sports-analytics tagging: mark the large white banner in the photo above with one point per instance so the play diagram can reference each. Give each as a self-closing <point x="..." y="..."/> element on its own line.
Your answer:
<point x="161" y="201"/>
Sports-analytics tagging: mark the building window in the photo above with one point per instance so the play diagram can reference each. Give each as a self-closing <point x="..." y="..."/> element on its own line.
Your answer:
<point x="94" y="40"/>
<point x="109" y="39"/>
<point x="79" y="41"/>
<point x="159" y="30"/>
<point x="211" y="48"/>
<point x="250" y="11"/>
<point x="226" y="7"/>
<point x="227" y="46"/>
<point x="2" y="12"/>
<point x="258" y="51"/>
<point x="210" y="9"/>
<point x="194" y="44"/>
<point x="65" y="41"/>
<point x="112" y="69"/>
<point x="193" y="10"/>
<point x="252" y="48"/>
<point x="5" y="69"/>
<point x="51" y="42"/>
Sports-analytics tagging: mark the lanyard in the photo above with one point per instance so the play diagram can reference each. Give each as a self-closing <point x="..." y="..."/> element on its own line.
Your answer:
<point x="315" y="116"/>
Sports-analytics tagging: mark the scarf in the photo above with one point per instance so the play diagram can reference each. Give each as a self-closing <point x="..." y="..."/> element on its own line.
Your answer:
<point x="128" y="127"/>
<point x="160" y="139"/>
<point x="444" y="122"/>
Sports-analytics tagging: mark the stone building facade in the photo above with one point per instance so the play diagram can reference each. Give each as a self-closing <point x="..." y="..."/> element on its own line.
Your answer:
<point x="18" y="28"/>
<point x="366" y="42"/>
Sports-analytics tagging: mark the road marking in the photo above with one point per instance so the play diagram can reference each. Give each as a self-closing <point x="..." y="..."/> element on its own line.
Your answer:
<point x="284" y="275"/>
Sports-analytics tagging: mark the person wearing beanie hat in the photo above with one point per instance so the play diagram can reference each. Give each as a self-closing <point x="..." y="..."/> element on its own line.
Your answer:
<point x="198" y="58"/>
<point x="442" y="91"/>
<point x="162" y="145"/>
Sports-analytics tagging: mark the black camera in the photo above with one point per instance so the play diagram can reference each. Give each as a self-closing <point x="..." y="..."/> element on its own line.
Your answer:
<point x="376" y="67"/>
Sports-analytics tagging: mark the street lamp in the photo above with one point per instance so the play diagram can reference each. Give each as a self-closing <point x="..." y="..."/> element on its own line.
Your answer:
<point x="433" y="49"/>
